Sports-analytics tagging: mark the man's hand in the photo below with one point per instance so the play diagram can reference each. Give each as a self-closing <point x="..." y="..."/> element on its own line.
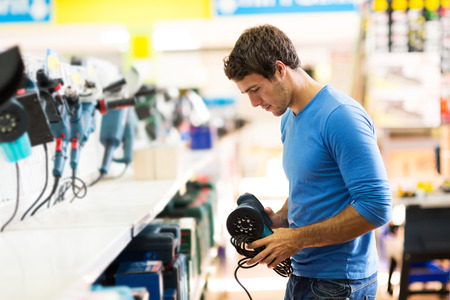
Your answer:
<point x="282" y="244"/>
<point x="279" y="219"/>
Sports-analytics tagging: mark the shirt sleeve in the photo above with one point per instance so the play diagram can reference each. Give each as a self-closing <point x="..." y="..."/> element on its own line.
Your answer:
<point x="350" y="137"/>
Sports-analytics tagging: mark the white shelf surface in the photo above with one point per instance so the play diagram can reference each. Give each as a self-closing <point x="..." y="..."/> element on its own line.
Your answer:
<point x="428" y="200"/>
<point x="49" y="263"/>
<point x="59" y="252"/>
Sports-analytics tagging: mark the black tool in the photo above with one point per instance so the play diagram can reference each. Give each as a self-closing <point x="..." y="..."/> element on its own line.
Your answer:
<point x="246" y="224"/>
<point x="39" y="129"/>
<point x="14" y="120"/>
<point x="11" y="74"/>
<point x="249" y="218"/>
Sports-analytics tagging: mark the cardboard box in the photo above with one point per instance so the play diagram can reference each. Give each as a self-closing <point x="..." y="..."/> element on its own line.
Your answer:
<point x="158" y="162"/>
<point x="168" y="161"/>
<point x="144" y="164"/>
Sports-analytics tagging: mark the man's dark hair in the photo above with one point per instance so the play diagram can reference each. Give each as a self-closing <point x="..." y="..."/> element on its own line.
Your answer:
<point x="257" y="50"/>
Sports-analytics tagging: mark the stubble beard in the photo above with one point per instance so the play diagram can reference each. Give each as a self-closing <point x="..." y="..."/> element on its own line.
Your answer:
<point x="286" y="99"/>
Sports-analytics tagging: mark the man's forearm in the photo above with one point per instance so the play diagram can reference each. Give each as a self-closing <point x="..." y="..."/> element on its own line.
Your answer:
<point x="283" y="214"/>
<point x="345" y="226"/>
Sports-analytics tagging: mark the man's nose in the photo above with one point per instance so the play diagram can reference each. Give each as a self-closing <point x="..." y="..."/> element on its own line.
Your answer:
<point x="255" y="100"/>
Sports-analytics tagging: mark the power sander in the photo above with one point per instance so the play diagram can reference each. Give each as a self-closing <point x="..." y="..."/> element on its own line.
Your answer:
<point x="248" y="223"/>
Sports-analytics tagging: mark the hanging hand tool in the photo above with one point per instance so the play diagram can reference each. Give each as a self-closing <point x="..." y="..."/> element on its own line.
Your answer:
<point x="58" y="116"/>
<point x="127" y="139"/>
<point x="14" y="120"/>
<point x="76" y="129"/>
<point x="11" y="75"/>
<point x="114" y="130"/>
<point x="117" y="123"/>
<point x="88" y="98"/>
<point x="147" y="110"/>
<point x="39" y="129"/>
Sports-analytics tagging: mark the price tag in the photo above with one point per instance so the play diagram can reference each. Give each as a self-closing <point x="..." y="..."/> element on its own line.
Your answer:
<point x="53" y="65"/>
<point x="76" y="76"/>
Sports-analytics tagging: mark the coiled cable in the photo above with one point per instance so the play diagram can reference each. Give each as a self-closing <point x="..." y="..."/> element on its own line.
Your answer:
<point x="240" y="242"/>
<point x="79" y="188"/>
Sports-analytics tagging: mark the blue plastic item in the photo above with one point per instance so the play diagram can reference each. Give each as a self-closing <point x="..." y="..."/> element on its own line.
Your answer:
<point x="14" y="139"/>
<point x="124" y="292"/>
<point x="154" y="242"/>
<point x="89" y="118"/>
<point x="146" y="274"/>
<point x="200" y="137"/>
<point x="61" y="131"/>
<point x="18" y="149"/>
<point x="170" y="294"/>
<point x="175" y="277"/>
<point x="428" y="271"/>
<point x="117" y="128"/>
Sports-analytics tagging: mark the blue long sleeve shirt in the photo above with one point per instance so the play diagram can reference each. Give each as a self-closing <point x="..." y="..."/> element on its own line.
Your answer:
<point x="332" y="160"/>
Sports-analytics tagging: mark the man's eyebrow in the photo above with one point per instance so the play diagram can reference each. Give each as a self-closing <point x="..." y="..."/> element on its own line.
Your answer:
<point x="249" y="88"/>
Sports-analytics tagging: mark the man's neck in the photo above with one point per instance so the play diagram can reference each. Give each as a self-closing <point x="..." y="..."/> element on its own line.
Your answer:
<point x="304" y="88"/>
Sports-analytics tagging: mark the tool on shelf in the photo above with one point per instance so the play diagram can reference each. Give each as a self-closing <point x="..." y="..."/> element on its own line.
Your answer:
<point x="11" y="74"/>
<point x="57" y="112"/>
<point x="118" y="122"/>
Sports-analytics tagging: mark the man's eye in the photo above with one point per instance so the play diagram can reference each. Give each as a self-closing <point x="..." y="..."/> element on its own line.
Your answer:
<point x="255" y="90"/>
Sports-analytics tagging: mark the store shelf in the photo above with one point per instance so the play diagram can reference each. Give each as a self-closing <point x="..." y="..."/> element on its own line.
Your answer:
<point x="427" y="200"/>
<point x="50" y="263"/>
<point x="59" y="252"/>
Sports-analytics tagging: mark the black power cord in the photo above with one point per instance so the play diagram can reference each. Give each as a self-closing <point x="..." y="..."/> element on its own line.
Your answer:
<point x="45" y="184"/>
<point x="47" y="200"/>
<point x="240" y="242"/>
<point x="100" y="177"/>
<point x="17" y="199"/>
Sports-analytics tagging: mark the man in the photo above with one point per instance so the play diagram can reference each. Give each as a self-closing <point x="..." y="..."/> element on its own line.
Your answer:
<point x="338" y="187"/>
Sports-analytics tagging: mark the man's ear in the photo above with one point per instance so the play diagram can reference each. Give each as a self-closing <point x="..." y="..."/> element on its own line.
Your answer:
<point x="280" y="69"/>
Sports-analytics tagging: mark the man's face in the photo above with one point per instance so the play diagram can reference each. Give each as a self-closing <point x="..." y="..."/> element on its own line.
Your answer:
<point x="270" y="95"/>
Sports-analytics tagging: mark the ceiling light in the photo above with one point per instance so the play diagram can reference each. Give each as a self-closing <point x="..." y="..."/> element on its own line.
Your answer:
<point x="174" y="39"/>
<point x="119" y="36"/>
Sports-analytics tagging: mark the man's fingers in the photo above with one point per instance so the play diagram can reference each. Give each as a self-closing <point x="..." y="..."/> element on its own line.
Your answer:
<point x="257" y="244"/>
<point x="270" y="260"/>
<point x="268" y="211"/>
<point x="274" y="263"/>
<point x="258" y="258"/>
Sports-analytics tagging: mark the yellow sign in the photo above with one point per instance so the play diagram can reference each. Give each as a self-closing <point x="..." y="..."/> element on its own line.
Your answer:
<point x="141" y="47"/>
<point x="130" y="12"/>
<point x="380" y="5"/>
